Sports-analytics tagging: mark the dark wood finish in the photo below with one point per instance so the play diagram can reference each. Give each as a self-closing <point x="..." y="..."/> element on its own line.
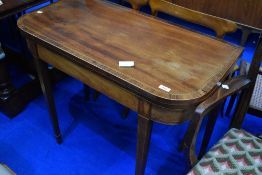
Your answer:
<point x="11" y="99"/>
<point x="243" y="103"/>
<point x="245" y="12"/>
<point x="251" y="109"/>
<point x="236" y="85"/>
<point x="42" y="69"/>
<point x="245" y="97"/>
<point x="220" y="26"/>
<point x="212" y="118"/>
<point x="6" y="87"/>
<point x="144" y="129"/>
<point x="230" y="104"/>
<point x="121" y="40"/>
<point x="254" y="111"/>
<point x="89" y="44"/>
<point x="11" y="7"/>
<point x="245" y="34"/>
<point x="87" y="92"/>
<point x="8" y="93"/>
<point x="136" y="4"/>
<point x="125" y="113"/>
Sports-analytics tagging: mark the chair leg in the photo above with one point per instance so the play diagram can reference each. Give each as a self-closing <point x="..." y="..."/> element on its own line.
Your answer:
<point x="96" y="95"/>
<point x="241" y="109"/>
<point x="121" y="2"/>
<point x="87" y="92"/>
<point x="231" y="104"/>
<point x="42" y="69"/>
<point x="191" y="137"/>
<point x="244" y="100"/>
<point x="187" y="140"/>
<point x="125" y="113"/>
<point x="222" y="106"/>
<point x="208" y="131"/>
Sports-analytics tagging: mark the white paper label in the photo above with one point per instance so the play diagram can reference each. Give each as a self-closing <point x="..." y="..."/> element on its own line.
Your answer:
<point x="225" y="86"/>
<point x="1" y="3"/>
<point x="164" y="88"/>
<point x="126" y="63"/>
<point x="39" y="11"/>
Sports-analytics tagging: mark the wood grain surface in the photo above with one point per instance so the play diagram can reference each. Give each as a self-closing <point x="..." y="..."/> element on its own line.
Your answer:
<point x="10" y="7"/>
<point x="97" y="35"/>
<point x="246" y="12"/>
<point x="219" y="25"/>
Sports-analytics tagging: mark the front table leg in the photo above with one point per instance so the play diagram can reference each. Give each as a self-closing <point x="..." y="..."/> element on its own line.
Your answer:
<point x="42" y="70"/>
<point x="144" y="129"/>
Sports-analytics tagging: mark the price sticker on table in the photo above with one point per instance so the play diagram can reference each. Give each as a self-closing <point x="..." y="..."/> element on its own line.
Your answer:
<point x="164" y="88"/>
<point x="126" y="63"/>
<point x="1" y="2"/>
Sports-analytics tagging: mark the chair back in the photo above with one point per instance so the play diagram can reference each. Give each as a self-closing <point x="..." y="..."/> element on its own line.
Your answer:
<point x="219" y="25"/>
<point x="136" y="4"/>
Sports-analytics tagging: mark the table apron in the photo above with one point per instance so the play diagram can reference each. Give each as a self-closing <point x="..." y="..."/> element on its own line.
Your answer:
<point x="160" y="114"/>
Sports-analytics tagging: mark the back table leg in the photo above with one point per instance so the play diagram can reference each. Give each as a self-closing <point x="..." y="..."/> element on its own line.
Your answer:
<point x="42" y="70"/>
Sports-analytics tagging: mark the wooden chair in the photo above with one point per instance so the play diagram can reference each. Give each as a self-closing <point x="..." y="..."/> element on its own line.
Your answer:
<point x="5" y="170"/>
<point x="255" y="106"/>
<point x="243" y="84"/>
<point x="220" y="26"/>
<point x="137" y="4"/>
<point x="238" y="152"/>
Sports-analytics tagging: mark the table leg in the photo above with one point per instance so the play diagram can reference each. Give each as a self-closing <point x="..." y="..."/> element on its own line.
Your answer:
<point x="143" y="140"/>
<point x="42" y="70"/>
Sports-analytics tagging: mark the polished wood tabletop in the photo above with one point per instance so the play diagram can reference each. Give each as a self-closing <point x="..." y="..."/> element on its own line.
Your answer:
<point x="98" y="35"/>
<point x="87" y="38"/>
<point x="10" y="7"/>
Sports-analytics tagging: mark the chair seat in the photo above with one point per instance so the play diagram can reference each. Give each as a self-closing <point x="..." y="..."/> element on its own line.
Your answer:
<point x="256" y="100"/>
<point x="237" y="153"/>
<point x="4" y="170"/>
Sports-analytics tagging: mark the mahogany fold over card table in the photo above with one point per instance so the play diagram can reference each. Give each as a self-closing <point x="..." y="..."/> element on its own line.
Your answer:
<point x="87" y="38"/>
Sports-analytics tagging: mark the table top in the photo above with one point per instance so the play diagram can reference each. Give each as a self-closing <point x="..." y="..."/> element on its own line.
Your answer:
<point x="245" y="12"/>
<point x="98" y="34"/>
<point x="10" y="7"/>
